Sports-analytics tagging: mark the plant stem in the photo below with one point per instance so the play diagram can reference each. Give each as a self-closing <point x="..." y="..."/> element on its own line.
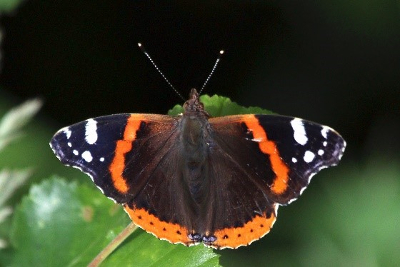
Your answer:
<point x="113" y="245"/>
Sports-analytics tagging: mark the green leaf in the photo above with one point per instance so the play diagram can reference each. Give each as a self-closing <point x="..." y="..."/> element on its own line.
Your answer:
<point x="60" y="224"/>
<point x="218" y="106"/>
<point x="14" y="119"/>
<point x="9" y="182"/>
<point x="144" y="249"/>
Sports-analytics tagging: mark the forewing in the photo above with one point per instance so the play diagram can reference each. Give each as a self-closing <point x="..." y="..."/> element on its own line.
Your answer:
<point x="279" y="152"/>
<point x="99" y="146"/>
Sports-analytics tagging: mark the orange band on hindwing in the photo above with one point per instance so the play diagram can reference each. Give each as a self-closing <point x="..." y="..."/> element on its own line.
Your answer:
<point x="269" y="147"/>
<point x="253" y="230"/>
<point x="122" y="147"/>
<point x="172" y="232"/>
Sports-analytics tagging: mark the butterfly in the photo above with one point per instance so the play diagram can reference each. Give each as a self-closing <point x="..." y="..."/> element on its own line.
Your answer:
<point x="194" y="178"/>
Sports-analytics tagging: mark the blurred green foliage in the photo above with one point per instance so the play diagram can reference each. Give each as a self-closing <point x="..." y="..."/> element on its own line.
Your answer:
<point x="9" y="5"/>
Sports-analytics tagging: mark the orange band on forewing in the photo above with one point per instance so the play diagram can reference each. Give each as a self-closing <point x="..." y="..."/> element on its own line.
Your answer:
<point x="241" y="236"/>
<point x="269" y="147"/>
<point x="172" y="232"/>
<point x="122" y="147"/>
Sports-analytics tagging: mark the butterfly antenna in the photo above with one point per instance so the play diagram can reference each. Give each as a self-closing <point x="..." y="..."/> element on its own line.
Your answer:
<point x="212" y="71"/>
<point x="159" y="71"/>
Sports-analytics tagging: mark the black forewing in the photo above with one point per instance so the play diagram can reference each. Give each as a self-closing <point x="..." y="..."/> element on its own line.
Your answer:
<point x="70" y="143"/>
<point x="324" y="143"/>
<point x="243" y="173"/>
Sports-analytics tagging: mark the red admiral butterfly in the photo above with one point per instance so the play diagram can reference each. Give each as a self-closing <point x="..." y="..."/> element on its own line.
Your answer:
<point x="192" y="178"/>
<point x="196" y="179"/>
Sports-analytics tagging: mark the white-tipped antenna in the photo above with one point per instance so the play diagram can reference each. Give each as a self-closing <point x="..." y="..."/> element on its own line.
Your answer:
<point x="159" y="71"/>
<point x="212" y="71"/>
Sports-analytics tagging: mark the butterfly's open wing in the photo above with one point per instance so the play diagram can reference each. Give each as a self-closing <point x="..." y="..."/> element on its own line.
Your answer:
<point x="290" y="150"/>
<point x="99" y="147"/>
<point x="258" y="162"/>
<point x="134" y="159"/>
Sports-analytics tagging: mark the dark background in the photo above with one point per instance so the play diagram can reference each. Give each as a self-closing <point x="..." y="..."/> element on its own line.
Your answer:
<point x="334" y="62"/>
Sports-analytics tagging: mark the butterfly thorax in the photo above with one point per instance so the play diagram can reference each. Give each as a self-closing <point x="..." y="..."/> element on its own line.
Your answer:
<point x="194" y="132"/>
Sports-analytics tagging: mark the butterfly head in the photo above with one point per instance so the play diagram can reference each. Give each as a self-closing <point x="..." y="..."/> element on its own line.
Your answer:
<point x="193" y="104"/>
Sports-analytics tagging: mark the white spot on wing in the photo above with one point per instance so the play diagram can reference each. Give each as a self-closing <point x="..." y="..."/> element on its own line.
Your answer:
<point x="320" y="152"/>
<point x="294" y="160"/>
<point x="325" y="143"/>
<point x="101" y="159"/>
<point x="91" y="131"/>
<point x="76" y="153"/>
<point x="67" y="132"/>
<point x="87" y="156"/>
<point x="69" y="144"/>
<point x="324" y="131"/>
<point x="299" y="132"/>
<point x="343" y="148"/>
<point x="308" y="156"/>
